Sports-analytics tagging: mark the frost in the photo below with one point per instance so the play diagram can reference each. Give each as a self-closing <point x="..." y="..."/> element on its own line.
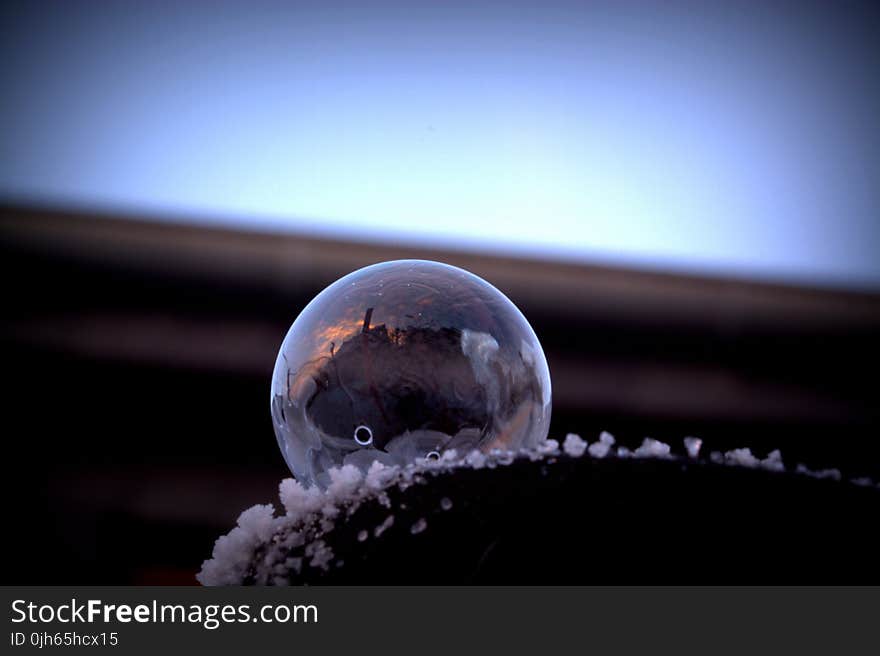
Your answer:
<point x="297" y="499"/>
<point x="384" y="526"/>
<point x="476" y="459"/>
<point x="742" y="457"/>
<point x="267" y="549"/>
<point x="599" y="449"/>
<point x="379" y="476"/>
<point x="233" y="552"/>
<point x="745" y="458"/>
<point x="693" y="444"/>
<point x="606" y="438"/>
<point x="574" y="445"/>
<point x="320" y="553"/>
<point x="833" y="474"/>
<point x="344" y="481"/>
<point x="602" y="448"/>
<point x="258" y="520"/>
<point x="651" y="448"/>
<point x="548" y="447"/>
<point x="773" y="461"/>
<point x="450" y="456"/>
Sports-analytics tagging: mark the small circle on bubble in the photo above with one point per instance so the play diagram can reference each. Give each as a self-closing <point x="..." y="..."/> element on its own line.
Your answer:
<point x="363" y="435"/>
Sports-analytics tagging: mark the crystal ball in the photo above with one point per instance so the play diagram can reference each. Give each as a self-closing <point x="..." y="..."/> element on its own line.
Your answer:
<point x="406" y="360"/>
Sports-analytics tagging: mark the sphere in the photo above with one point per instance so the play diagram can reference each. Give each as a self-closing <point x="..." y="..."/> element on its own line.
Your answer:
<point x="405" y="360"/>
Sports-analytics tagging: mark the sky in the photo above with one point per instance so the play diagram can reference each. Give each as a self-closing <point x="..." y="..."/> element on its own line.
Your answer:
<point x="735" y="138"/>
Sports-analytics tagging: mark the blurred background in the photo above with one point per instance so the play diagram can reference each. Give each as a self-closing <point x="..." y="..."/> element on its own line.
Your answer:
<point x="681" y="197"/>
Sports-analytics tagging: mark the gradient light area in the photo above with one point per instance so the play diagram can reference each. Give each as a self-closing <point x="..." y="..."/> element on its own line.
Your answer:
<point x="696" y="137"/>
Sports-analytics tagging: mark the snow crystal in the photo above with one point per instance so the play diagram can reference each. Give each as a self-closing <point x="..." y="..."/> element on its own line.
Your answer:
<point x="232" y="552"/>
<point x="602" y="448"/>
<point x="362" y="536"/>
<point x="693" y="444"/>
<point x="379" y="476"/>
<point x="297" y="499"/>
<point x="258" y="520"/>
<point x="476" y="459"/>
<point x="599" y="449"/>
<point x="651" y="448"/>
<point x="606" y="438"/>
<point x="419" y="526"/>
<point x="548" y="446"/>
<point x="384" y="526"/>
<point x="344" y="481"/>
<point x="321" y="554"/>
<point x="833" y="474"/>
<point x="574" y="445"/>
<point x="742" y="457"/>
<point x="773" y="461"/>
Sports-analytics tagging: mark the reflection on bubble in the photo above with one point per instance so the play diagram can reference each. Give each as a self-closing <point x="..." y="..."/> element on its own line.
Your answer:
<point x="402" y="361"/>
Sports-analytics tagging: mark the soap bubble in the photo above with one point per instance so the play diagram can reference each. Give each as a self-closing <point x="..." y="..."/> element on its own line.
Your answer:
<point x="402" y="361"/>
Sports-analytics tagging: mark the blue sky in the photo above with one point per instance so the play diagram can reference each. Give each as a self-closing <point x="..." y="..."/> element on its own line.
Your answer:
<point x="732" y="138"/>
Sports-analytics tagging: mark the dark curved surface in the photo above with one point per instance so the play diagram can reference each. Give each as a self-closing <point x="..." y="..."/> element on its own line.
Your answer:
<point x="612" y="521"/>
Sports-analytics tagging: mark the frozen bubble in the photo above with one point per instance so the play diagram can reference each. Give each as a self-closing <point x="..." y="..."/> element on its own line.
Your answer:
<point x="405" y="360"/>
<point x="362" y="536"/>
<point x="446" y="503"/>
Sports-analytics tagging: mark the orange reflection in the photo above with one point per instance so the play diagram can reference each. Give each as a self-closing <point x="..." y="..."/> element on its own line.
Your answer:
<point x="333" y="335"/>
